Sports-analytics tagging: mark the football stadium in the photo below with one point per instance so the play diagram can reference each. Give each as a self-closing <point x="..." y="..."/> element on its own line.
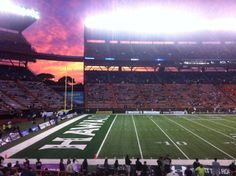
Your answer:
<point x="158" y="98"/>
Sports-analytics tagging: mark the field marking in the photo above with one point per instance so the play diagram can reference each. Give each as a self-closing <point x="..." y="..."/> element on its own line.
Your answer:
<point x="21" y="146"/>
<point x="201" y="138"/>
<point x="100" y="148"/>
<point x="211" y="120"/>
<point x="139" y="146"/>
<point x="230" y="121"/>
<point x="170" y="138"/>
<point x="223" y="124"/>
<point x="210" y="128"/>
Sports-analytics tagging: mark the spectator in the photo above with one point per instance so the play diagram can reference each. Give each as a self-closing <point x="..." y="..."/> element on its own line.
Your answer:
<point x="167" y="164"/>
<point x="138" y="167"/>
<point x="158" y="168"/>
<point x="232" y="169"/>
<point x="27" y="171"/>
<point x="69" y="168"/>
<point x="106" y="166"/>
<point x="200" y="170"/>
<point x="61" y="165"/>
<point x="188" y="171"/>
<point x="17" y="166"/>
<point x="84" y="167"/>
<point x="145" y="169"/>
<point x="26" y="163"/>
<point x="116" y="165"/>
<point x="196" y="164"/>
<point x="215" y="168"/>
<point x="75" y="166"/>
<point x="68" y="161"/>
<point x="38" y="164"/>
<point x="8" y="170"/>
<point x="1" y="160"/>
<point x="127" y="165"/>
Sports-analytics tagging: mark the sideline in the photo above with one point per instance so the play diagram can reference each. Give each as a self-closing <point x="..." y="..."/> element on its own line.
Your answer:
<point x="19" y="147"/>
<point x="180" y="162"/>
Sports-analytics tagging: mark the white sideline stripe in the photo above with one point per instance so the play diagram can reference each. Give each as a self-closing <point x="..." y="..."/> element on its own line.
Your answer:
<point x="201" y="138"/>
<point x="17" y="148"/>
<point x="139" y="146"/>
<point x="211" y="129"/>
<point x="186" y="156"/>
<point x="100" y="148"/>
<point x="179" y="162"/>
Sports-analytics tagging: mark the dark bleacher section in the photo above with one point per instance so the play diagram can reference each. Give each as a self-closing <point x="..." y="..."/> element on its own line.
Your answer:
<point x="13" y="73"/>
<point x="168" y="50"/>
<point x="160" y="77"/>
<point x="16" y="42"/>
<point x="20" y="90"/>
<point x="192" y="91"/>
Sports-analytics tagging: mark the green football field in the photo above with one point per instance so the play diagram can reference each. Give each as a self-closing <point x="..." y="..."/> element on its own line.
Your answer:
<point x="144" y="136"/>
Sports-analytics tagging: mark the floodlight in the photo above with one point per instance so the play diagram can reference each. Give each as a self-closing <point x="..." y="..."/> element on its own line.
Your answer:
<point x="7" y="6"/>
<point x="154" y="20"/>
<point x="145" y="20"/>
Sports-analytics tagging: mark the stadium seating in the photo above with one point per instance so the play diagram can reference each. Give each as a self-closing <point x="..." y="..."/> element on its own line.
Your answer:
<point x="193" y="91"/>
<point x="21" y="90"/>
<point x="10" y="41"/>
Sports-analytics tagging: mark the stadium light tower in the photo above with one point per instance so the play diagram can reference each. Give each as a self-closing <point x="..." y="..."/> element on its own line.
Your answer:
<point x="6" y="6"/>
<point x="158" y="20"/>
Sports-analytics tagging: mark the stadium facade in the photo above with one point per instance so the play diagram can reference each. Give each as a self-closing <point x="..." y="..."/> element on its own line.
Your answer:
<point x="166" y="72"/>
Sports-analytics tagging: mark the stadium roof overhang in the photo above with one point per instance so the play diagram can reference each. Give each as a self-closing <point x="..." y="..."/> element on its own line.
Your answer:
<point x="171" y="63"/>
<point x="16" y="56"/>
<point x="44" y="56"/>
<point x="32" y="57"/>
<point x="15" y="22"/>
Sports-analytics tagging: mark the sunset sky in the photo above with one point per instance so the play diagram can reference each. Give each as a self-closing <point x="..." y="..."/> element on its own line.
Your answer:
<point x="60" y="27"/>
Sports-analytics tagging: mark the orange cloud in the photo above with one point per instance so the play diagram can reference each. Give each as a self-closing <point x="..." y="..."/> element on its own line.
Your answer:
<point x="74" y="69"/>
<point x="58" y="31"/>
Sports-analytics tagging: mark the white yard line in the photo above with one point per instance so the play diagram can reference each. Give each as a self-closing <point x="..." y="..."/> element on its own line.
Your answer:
<point x="186" y="156"/>
<point x="100" y="148"/>
<point x="211" y="129"/>
<point x="231" y="121"/>
<point x="17" y="148"/>
<point x="223" y="124"/>
<point x="201" y="138"/>
<point x="214" y="121"/>
<point x="139" y="146"/>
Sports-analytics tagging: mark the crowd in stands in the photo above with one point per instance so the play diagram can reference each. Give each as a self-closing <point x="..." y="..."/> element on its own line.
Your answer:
<point x="191" y="91"/>
<point x="73" y="167"/>
<point x="21" y="90"/>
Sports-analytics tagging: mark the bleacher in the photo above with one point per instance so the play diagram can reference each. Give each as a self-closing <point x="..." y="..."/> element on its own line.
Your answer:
<point x="193" y="91"/>
<point x="10" y="41"/>
<point x="20" y="90"/>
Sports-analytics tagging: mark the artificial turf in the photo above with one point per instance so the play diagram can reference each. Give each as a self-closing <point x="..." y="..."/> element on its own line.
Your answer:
<point x="182" y="137"/>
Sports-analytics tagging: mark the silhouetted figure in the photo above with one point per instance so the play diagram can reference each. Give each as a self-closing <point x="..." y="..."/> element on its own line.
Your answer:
<point x="84" y="167"/>
<point x="128" y="165"/>
<point x="61" y="165"/>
